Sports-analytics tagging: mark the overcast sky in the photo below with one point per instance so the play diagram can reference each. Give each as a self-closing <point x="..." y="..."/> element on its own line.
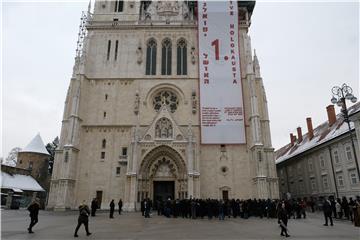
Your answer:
<point x="304" y="50"/>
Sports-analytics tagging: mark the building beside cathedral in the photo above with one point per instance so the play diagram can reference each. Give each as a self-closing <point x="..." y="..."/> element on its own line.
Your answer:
<point x="131" y="127"/>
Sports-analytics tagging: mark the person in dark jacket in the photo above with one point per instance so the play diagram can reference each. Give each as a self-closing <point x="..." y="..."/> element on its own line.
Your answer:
<point x="112" y="208"/>
<point x="327" y="209"/>
<point x="84" y="212"/>
<point x="94" y="206"/>
<point x="34" y="212"/>
<point x="147" y="207"/>
<point x="282" y="220"/>
<point x="120" y="204"/>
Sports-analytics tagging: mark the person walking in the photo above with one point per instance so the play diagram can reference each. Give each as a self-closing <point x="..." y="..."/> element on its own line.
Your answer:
<point x="84" y="212"/>
<point x="283" y="220"/>
<point x="120" y="204"/>
<point x="327" y="212"/>
<point x="94" y="206"/>
<point x="112" y="208"/>
<point x="34" y="212"/>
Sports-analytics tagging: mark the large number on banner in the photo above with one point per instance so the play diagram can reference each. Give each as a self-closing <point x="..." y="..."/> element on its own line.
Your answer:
<point x="215" y="43"/>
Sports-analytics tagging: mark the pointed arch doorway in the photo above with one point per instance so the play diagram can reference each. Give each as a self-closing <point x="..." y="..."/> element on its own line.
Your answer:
<point x="162" y="175"/>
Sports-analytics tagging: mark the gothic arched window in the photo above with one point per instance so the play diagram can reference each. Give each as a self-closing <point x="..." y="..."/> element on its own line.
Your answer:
<point x="151" y="57"/>
<point x="181" y="57"/>
<point x="163" y="128"/>
<point x="166" y="57"/>
<point x="103" y="143"/>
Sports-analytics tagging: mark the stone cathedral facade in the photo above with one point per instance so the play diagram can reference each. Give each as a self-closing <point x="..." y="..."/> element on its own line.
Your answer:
<point x="131" y="126"/>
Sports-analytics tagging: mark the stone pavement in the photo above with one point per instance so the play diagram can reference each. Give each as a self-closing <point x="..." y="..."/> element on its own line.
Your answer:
<point x="61" y="225"/>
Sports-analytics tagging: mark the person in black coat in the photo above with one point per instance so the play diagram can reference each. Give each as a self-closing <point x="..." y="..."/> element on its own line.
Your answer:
<point x="34" y="212"/>
<point x="147" y="207"/>
<point x="327" y="212"/>
<point x="84" y="212"/>
<point x="143" y="207"/>
<point x="283" y="220"/>
<point x="120" y="204"/>
<point x="112" y="208"/>
<point x="94" y="206"/>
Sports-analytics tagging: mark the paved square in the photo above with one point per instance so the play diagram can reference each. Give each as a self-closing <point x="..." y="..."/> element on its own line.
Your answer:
<point x="61" y="225"/>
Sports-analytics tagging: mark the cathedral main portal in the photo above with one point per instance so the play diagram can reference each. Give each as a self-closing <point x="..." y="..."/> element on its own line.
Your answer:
<point x="162" y="175"/>
<point x="164" y="190"/>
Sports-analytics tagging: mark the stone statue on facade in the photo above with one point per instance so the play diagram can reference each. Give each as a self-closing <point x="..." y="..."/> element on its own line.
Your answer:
<point x="137" y="103"/>
<point x="193" y="55"/>
<point x="139" y="54"/>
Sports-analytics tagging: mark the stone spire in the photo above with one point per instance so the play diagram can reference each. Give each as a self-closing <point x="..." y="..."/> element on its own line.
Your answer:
<point x="89" y="7"/>
<point x="256" y="66"/>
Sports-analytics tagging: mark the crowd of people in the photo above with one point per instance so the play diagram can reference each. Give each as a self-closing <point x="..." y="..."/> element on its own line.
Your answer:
<point x="211" y="208"/>
<point x="221" y="209"/>
<point x="214" y="208"/>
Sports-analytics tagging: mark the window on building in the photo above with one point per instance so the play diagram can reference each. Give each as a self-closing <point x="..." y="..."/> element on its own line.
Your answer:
<point x="301" y="186"/>
<point x="325" y="182"/>
<point x="166" y="97"/>
<point x="106" y="97"/>
<point x="348" y="153"/>
<point x="340" y="180"/>
<point x="166" y="57"/>
<point x="124" y="151"/>
<point x="313" y="184"/>
<point x="353" y="177"/>
<point x="310" y="164"/>
<point x="103" y="144"/>
<point x="222" y="148"/>
<point x="117" y="170"/>
<point x="108" y="50"/>
<point x="66" y="157"/>
<point x="104" y="114"/>
<point x="151" y="58"/>
<point x="259" y="156"/>
<point x="290" y="170"/>
<point x="322" y="161"/>
<point x="102" y="155"/>
<point x="116" y="49"/>
<point x="299" y="167"/>
<point x="119" y="5"/>
<point x="336" y="157"/>
<point x="20" y="161"/>
<point x="181" y="57"/>
<point x="30" y="165"/>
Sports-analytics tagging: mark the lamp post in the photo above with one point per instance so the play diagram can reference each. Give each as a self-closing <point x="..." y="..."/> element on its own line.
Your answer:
<point x="340" y="94"/>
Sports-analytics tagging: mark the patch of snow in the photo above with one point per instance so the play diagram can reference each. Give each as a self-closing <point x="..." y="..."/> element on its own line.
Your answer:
<point x="18" y="181"/>
<point x="36" y="145"/>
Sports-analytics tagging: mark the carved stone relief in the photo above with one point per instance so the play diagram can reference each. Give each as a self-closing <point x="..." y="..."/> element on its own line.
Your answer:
<point x="163" y="128"/>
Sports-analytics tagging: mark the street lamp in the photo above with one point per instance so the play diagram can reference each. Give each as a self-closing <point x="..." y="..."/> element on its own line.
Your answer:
<point x="340" y="94"/>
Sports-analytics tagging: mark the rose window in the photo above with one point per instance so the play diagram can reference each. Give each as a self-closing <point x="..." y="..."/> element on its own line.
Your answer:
<point x="168" y="98"/>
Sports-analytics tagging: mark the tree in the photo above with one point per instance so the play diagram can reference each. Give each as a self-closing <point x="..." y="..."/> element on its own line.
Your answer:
<point x="11" y="159"/>
<point x="51" y="147"/>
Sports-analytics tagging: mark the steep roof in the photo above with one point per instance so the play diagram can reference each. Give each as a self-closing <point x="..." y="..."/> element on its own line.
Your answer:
<point x="322" y="134"/>
<point x="36" y="146"/>
<point x="19" y="181"/>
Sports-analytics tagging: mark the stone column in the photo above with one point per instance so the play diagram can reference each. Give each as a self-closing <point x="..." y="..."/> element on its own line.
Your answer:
<point x="190" y="162"/>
